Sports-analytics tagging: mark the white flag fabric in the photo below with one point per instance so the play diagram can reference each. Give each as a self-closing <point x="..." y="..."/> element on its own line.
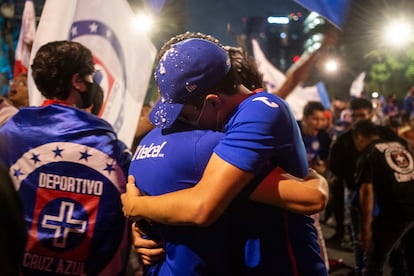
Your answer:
<point x="300" y="96"/>
<point x="357" y="86"/>
<point x="123" y="57"/>
<point x="272" y="77"/>
<point x="26" y="37"/>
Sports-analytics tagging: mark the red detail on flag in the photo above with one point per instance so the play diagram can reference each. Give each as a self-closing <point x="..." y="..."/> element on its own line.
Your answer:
<point x="109" y="79"/>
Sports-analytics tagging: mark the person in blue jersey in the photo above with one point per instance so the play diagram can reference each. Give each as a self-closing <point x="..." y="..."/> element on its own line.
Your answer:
<point x="271" y="240"/>
<point x="189" y="250"/>
<point x="317" y="144"/>
<point x="69" y="169"/>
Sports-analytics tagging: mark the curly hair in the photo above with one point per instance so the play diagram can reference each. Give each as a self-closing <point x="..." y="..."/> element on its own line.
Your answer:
<point x="245" y="68"/>
<point x="54" y="65"/>
<point x="181" y="37"/>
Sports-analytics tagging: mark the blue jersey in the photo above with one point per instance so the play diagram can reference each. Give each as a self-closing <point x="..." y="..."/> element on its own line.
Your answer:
<point x="268" y="240"/>
<point x="69" y="170"/>
<point x="167" y="163"/>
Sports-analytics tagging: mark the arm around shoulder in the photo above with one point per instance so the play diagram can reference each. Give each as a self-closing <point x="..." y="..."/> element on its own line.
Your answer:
<point x="307" y="196"/>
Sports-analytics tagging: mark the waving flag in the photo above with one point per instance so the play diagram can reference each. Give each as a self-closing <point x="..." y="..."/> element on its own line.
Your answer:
<point x="26" y="37"/>
<point x="334" y="11"/>
<point x="272" y="77"/>
<point x="123" y="56"/>
<point x="300" y="96"/>
<point x="357" y="86"/>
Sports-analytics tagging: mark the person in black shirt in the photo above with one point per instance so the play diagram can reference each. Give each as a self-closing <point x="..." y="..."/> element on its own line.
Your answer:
<point x="385" y="181"/>
<point x="341" y="163"/>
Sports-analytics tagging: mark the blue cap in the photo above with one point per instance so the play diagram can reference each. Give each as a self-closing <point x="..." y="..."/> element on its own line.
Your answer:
<point x="186" y="71"/>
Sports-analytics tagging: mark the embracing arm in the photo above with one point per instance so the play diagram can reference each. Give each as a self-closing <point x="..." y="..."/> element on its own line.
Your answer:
<point x="301" y="196"/>
<point x="198" y="205"/>
<point x="220" y="184"/>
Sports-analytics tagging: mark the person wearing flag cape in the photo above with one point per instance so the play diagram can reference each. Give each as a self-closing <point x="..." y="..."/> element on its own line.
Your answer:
<point x="69" y="169"/>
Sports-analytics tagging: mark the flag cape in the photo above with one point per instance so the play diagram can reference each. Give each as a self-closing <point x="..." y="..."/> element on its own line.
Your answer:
<point x="123" y="57"/>
<point x="26" y="37"/>
<point x="335" y="11"/>
<point x="69" y="177"/>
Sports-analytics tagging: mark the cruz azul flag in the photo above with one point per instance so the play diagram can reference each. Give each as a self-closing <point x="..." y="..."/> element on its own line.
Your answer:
<point x="26" y="36"/>
<point x="123" y="57"/>
<point x="69" y="179"/>
<point x="335" y="11"/>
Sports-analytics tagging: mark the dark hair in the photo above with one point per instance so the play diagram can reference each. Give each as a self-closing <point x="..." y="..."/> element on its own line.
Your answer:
<point x="180" y="37"/>
<point x="97" y="100"/>
<point x="54" y="65"/>
<point x="312" y="106"/>
<point x="360" y="103"/>
<point x="243" y="71"/>
<point x="245" y="68"/>
<point x="365" y="128"/>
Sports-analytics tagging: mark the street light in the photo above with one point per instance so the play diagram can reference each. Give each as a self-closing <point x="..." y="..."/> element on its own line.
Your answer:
<point x="398" y="33"/>
<point x="144" y="22"/>
<point x="331" y="66"/>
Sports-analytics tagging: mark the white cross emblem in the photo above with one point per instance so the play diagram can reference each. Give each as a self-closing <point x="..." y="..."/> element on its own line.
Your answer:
<point x="63" y="224"/>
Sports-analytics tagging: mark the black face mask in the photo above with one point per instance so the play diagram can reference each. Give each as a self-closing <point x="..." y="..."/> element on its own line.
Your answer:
<point x="88" y="97"/>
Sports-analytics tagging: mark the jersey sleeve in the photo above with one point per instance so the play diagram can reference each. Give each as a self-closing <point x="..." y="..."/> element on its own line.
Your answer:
<point x="263" y="129"/>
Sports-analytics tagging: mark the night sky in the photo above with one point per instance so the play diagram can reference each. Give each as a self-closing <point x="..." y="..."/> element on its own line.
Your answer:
<point x="213" y="16"/>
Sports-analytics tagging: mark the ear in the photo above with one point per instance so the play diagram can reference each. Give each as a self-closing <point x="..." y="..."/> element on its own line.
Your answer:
<point x="78" y="83"/>
<point x="214" y="100"/>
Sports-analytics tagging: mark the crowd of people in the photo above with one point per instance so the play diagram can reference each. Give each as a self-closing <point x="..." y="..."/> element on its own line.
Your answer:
<point x="223" y="181"/>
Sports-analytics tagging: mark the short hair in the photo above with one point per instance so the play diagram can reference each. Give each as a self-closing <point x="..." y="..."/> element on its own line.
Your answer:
<point x="311" y="107"/>
<point x="360" y="103"/>
<point x="365" y="128"/>
<point x="54" y="65"/>
<point x="180" y="37"/>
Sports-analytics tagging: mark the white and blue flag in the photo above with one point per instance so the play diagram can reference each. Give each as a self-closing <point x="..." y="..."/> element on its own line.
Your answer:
<point x="123" y="56"/>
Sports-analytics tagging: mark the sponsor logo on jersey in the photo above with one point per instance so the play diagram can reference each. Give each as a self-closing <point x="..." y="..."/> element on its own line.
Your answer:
<point x="149" y="151"/>
<point x="266" y="101"/>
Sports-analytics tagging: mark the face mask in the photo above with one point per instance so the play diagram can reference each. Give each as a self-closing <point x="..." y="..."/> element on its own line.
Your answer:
<point x="88" y="97"/>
